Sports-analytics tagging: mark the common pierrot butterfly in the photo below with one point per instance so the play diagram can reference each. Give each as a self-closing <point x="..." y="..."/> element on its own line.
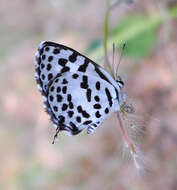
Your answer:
<point x="77" y="92"/>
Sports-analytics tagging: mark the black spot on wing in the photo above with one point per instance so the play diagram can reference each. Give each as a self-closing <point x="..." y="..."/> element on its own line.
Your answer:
<point x="97" y="114"/>
<point x="56" y="51"/>
<point x="64" y="81"/>
<point x="59" y="98"/>
<point x="108" y="94"/>
<point x="51" y="98"/>
<point x="64" y="107"/>
<point x="50" y="58"/>
<point x="64" y="89"/>
<point x="97" y="99"/>
<point x="61" y="119"/>
<point x="97" y="106"/>
<point x="78" y="119"/>
<point x="47" y="49"/>
<point x="87" y="122"/>
<point x="97" y="85"/>
<point x="84" y="84"/>
<point x="43" y="76"/>
<point x="106" y="111"/>
<point x="55" y="108"/>
<point x="42" y="65"/>
<point x="58" y="89"/>
<point x="65" y="69"/>
<point x="88" y="94"/>
<point x="50" y="76"/>
<point x="62" y="62"/>
<point x="71" y="105"/>
<point x="69" y="97"/>
<point x="85" y="114"/>
<point x="74" y="129"/>
<point x="75" y="76"/>
<point x="73" y="57"/>
<point x="84" y="66"/>
<point x="52" y="89"/>
<point x="70" y="113"/>
<point x="43" y="57"/>
<point x="79" y="109"/>
<point x="49" y="67"/>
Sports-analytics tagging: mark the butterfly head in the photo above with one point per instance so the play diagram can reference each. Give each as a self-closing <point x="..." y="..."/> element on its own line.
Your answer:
<point x="120" y="82"/>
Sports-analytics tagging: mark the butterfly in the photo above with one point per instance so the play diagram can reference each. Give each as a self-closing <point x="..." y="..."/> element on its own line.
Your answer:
<point x="78" y="94"/>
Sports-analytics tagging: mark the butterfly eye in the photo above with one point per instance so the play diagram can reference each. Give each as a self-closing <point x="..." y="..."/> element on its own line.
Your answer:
<point x="120" y="82"/>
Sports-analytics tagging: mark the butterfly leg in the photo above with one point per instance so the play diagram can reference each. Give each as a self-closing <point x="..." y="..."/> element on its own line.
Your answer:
<point x="56" y="134"/>
<point x="91" y="129"/>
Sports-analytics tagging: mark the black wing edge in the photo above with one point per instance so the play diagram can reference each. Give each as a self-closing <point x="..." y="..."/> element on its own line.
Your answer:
<point x="53" y="44"/>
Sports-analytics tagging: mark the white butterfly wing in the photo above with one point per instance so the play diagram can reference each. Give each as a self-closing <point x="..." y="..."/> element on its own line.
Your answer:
<point x="58" y="66"/>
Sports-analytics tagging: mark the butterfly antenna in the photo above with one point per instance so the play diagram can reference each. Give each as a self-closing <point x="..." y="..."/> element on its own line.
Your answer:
<point x="121" y="56"/>
<point x="113" y="59"/>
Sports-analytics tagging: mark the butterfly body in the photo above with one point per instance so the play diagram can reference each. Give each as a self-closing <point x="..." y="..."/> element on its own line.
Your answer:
<point x="77" y="92"/>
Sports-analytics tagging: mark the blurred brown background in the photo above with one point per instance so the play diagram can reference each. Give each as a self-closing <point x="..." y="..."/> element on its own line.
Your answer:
<point x="28" y="160"/>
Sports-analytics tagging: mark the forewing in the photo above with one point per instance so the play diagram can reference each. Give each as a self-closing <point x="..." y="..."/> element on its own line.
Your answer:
<point x="53" y="59"/>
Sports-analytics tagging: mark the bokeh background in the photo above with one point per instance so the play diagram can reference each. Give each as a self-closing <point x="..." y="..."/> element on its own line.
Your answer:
<point x="28" y="160"/>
